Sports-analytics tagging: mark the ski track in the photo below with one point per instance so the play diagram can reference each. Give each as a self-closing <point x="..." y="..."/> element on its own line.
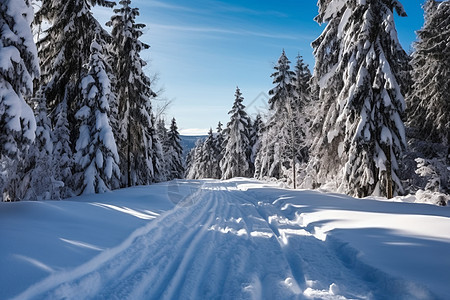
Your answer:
<point x="217" y="244"/>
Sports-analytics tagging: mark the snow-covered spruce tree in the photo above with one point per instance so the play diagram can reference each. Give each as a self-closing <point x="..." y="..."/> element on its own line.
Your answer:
<point x="137" y="140"/>
<point x="358" y="62"/>
<point x="189" y="163"/>
<point x="218" y="151"/>
<point x="64" y="51"/>
<point x="260" y="147"/>
<point x="284" y="134"/>
<point x="203" y="161"/>
<point x="162" y="132"/>
<point x="162" y="136"/>
<point x="209" y="163"/>
<point x="96" y="157"/>
<point x="193" y="169"/>
<point x="174" y="153"/>
<point x="302" y="81"/>
<point x="40" y="180"/>
<point x="18" y="67"/>
<point x="255" y="138"/>
<point x="304" y="112"/>
<point x="428" y="102"/>
<point x="63" y="160"/>
<point x="304" y="106"/>
<point x="155" y="152"/>
<point x="237" y="148"/>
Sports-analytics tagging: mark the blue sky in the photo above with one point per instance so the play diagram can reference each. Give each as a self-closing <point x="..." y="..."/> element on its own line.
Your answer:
<point x="203" y="49"/>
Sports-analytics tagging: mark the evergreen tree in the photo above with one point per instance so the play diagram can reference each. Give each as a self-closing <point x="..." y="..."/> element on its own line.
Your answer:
<point x="97" y="159"/>
<point x="138" y="143"/>
<point x="193" y="170"/>
<point x="304" y="106"/>
<point x="209" y="162"/>
<point x="154" y="152"/>
<point x="304" y="111"/>
<point x="218" y="151"/>
<point x="428" y="159"/>
<point x="237" y="150"/>
<point x="302" y="79"/>
<point x="358" y="70"/>
<point x="284" y="133"/>
<point x="64" y="52"/>
<point x="63" y="161"/>
<point x="189" y="163"/>
<point x="162" y="132"/>
<point x="174" y="152"/>
<point x="41" y="180"/>
<point x="163" y="139"/>
<point x="429" y="104"/>
<point x="18" y="67"/>
<point x="203" y="161"/>
<point x="256" y="135"/>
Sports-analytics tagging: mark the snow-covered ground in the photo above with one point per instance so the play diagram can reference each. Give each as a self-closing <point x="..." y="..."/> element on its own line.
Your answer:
<point x="238" y="239"/>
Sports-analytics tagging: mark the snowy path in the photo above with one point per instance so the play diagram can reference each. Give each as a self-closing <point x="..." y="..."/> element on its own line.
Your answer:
<point x="223" y="243"/>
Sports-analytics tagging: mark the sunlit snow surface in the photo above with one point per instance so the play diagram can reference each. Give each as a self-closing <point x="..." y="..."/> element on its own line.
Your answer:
<point x="238" y="239"/>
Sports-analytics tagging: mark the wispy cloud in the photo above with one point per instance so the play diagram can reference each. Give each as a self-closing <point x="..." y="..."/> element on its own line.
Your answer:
<point x="160" y="4"/>
<point x="212" y="6"/>
<point x="214" y="30"/>
<point x="223" y="6"/>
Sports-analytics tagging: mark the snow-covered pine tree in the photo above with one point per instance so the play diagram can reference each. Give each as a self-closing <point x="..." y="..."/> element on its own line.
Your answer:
<point x="256" y="136"/>
<point x="237" y="149"/>
<point x="63" y="160"/>
<point x="302" y="79"/>
<point x="209" y="163"/>
<point x="203" y="161"/>
<point x="64" y="51"/>
<point x="218" y="151"/>
<point x="304" y="110"/>
<point x="262" y="146"/>
<point x="137" y="140"/>
<point x="189" y="163"/>
<point x="428" y="159"/>
<point x="283" y="137"/>
<point x="193" y="160"/>
<point x="429" y="100"/>
<point x="96" y="157"/>
<point x="162" y="135"/>
<point x="19" y="65"/>
<point x="162" y="132"/>
<point x="41" y="179"/>
<point x="174" y="153"/>
<point x="304" y="106"/>
<point x="358" y="65"/>
<point x="155" y="152"/>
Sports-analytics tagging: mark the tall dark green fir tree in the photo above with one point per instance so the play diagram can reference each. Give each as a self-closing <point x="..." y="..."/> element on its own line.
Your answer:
<point x="140" y="150"/>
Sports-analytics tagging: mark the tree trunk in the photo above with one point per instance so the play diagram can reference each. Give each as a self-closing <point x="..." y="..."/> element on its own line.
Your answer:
<point x="129" y="149"/>
<point x="294" y="167"/>
<point x="389" y="192"/>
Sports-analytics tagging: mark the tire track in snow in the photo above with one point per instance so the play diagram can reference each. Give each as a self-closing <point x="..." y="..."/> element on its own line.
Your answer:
<point x="228" y="244"/>
<point x="325" y="273"/>
<point x="111" y="263"/>
<point x="173" y="275"/>
<point x="293" y="277"/>
<point x="165" y="253"/>
<point x="201" y="264"/>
